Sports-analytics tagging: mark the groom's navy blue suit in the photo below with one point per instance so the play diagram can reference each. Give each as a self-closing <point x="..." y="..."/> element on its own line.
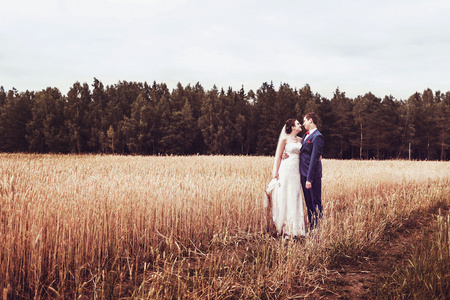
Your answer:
<point x="311" y="170"/>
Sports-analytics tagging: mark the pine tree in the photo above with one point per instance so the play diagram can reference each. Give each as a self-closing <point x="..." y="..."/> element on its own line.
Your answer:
<point x="341" y="128"/>
<point x="46" y="131"/>
<point x="76" y="117"/>
<point x="97" y="118"/>
<point x="442" y="115"/>
<point x="269" y="126"/>
<point x="15" y="113"/>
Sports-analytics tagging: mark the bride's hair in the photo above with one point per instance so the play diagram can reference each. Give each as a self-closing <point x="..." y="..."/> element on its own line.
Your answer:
<point x="289" y="123"/>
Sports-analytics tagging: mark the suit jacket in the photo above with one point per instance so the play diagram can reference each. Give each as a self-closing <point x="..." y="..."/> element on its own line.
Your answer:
<point x="312" y="149"/>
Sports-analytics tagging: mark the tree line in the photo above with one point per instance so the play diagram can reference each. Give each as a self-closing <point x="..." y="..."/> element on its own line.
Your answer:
<point x="149" y="119"/>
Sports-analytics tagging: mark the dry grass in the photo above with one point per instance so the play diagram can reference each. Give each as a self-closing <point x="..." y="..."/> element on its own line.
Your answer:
<point x="108" y="227"/>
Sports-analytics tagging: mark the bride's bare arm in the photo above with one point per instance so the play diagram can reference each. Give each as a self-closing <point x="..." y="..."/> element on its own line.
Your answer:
<point x="278" y="157"/>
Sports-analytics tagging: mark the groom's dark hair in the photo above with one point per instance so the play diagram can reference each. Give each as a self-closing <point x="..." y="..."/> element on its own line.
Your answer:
<point x="312" y="116"/>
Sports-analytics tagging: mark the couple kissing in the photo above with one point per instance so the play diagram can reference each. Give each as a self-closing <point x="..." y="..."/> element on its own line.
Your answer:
<point x="297" y="172"/>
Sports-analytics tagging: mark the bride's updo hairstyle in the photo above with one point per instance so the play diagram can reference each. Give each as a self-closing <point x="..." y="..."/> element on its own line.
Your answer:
<point x="289" y="123"/>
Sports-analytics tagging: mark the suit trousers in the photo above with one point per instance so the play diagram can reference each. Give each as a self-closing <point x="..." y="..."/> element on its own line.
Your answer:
<point x="313" y="200"/>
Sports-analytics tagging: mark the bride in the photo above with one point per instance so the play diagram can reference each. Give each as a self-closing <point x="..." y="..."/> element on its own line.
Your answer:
<point x="287" y="209"/>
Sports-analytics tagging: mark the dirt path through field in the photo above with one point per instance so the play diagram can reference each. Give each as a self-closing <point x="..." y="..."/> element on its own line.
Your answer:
<point x="359" y="279"/>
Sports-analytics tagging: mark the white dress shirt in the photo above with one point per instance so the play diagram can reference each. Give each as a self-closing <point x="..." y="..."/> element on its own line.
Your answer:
<point x="310" y="132"/>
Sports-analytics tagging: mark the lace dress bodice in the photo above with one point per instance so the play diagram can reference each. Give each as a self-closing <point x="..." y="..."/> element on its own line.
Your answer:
<point x="293" y="149"/>
<point x="291" y="164"/>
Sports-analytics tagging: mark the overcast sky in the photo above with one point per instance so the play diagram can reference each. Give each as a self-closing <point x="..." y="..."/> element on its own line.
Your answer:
<point x="388" y="47"/>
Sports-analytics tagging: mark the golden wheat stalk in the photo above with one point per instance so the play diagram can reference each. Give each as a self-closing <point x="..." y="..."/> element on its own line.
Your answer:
<point x="100" y="225"/>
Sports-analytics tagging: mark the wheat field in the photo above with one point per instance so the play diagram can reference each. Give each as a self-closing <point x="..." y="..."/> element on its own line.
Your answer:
<point x="147" y="227"/>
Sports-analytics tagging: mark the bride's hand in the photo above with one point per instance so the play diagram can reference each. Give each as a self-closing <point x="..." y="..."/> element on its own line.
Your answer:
<point x="276" y="176"/>
<point x="284" y="156"/>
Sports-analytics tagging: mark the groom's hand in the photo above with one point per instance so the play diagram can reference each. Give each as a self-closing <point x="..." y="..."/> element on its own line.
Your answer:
<point x="308" y="185"/>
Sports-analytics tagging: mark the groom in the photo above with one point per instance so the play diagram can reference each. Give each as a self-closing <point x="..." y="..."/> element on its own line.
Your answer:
<point x="311" y="168"/>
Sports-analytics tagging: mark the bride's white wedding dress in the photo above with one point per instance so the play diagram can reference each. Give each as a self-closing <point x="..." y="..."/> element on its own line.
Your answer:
<point x="287" y="209"/>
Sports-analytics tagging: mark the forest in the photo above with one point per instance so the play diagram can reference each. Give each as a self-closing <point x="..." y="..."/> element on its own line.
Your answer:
<point x="148" y="119"/>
